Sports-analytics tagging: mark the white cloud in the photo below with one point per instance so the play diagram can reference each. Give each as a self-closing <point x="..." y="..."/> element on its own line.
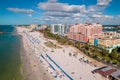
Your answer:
<point x="52" y="0"/>
<point x="56" y="12"/>
<point x="49" y="6"/>
<point x="102" y="16"/>
<point x="103" y="19"/>
<point x="92" y="8"/>
<point x="117" y="17"/>
<point x="30" y="15"/>
<point x="77" y="15"/>
<point x="108" y="17"/>
<point x="99" y="7"/>
<point x="61" y="12"/>
<point x="96" y="16"/>
<point x="24" y="11"/>
<point x="103" y="2"/>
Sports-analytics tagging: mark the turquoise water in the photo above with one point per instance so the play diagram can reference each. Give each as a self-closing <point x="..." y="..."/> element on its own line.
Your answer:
<point x="9" y="54"/>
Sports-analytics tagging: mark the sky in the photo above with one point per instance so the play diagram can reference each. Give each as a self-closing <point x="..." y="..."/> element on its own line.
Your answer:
<point x="13" y="12"/>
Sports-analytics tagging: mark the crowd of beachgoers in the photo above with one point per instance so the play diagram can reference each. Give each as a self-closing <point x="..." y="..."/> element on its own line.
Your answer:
<point x="46" y="63"/>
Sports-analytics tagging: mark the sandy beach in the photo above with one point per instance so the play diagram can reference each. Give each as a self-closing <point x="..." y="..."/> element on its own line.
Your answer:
<point x="41" y="62"/>
<point x="31" y="68"/>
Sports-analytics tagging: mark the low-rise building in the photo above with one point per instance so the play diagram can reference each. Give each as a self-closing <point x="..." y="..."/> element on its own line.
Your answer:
<point x="109" y="42"/>
<point x="108" y="39"/>
<point x="105" y="71"/>
<point x="115" y="75"/>
<point x="32" y="26"/>
<point x="111" y="34"/>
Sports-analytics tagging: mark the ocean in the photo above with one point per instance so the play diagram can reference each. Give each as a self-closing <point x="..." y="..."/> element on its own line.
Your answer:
<point x="10" y="61"/>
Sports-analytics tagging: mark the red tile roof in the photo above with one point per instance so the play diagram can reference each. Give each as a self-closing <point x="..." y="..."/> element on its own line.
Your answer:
<point x="118" y="76"/>
<point x="105" y="73"/>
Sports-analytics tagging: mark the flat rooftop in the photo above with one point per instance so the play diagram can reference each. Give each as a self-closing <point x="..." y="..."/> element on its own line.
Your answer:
<point x="116" y="74"/>
<point x="107" y="38"/>
<point x="106" y="69"/>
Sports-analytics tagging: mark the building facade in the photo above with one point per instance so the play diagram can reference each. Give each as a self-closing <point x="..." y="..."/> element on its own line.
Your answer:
<point x="111" y="34"/>
<point x="107" y="42"/>
<point x="85" y="32"/>
<point x="32" y="26"/>
<point x="59" y="29"/>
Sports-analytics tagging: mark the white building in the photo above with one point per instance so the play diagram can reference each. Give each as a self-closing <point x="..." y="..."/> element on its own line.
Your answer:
<point x="59" y="29"/>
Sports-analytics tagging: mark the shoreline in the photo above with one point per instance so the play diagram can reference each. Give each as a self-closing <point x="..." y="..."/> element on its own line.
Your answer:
<point x="22" y="52"/>
<point x="31" y="69"/>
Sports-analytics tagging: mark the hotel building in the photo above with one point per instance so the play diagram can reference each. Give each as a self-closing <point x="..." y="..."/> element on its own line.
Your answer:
<point x="85" y="32"/>
<point x="59" y="29"/>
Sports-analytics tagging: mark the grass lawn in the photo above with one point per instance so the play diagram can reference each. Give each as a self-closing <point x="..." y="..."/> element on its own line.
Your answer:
<point x="51" y="45"/>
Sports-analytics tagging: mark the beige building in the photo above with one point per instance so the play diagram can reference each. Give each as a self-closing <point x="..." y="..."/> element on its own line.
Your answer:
<point x="109" y="39"/>
<point x="108" y="42"/>
<point x="111" y="34"/>
<point x="33" y="26"/>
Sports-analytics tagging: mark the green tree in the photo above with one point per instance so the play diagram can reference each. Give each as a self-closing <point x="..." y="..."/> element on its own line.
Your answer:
<point x="113" y="55"/>
<point x="104" y="52"/>
<point x="86" y="46"/>
<point x="77" y="44"/>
